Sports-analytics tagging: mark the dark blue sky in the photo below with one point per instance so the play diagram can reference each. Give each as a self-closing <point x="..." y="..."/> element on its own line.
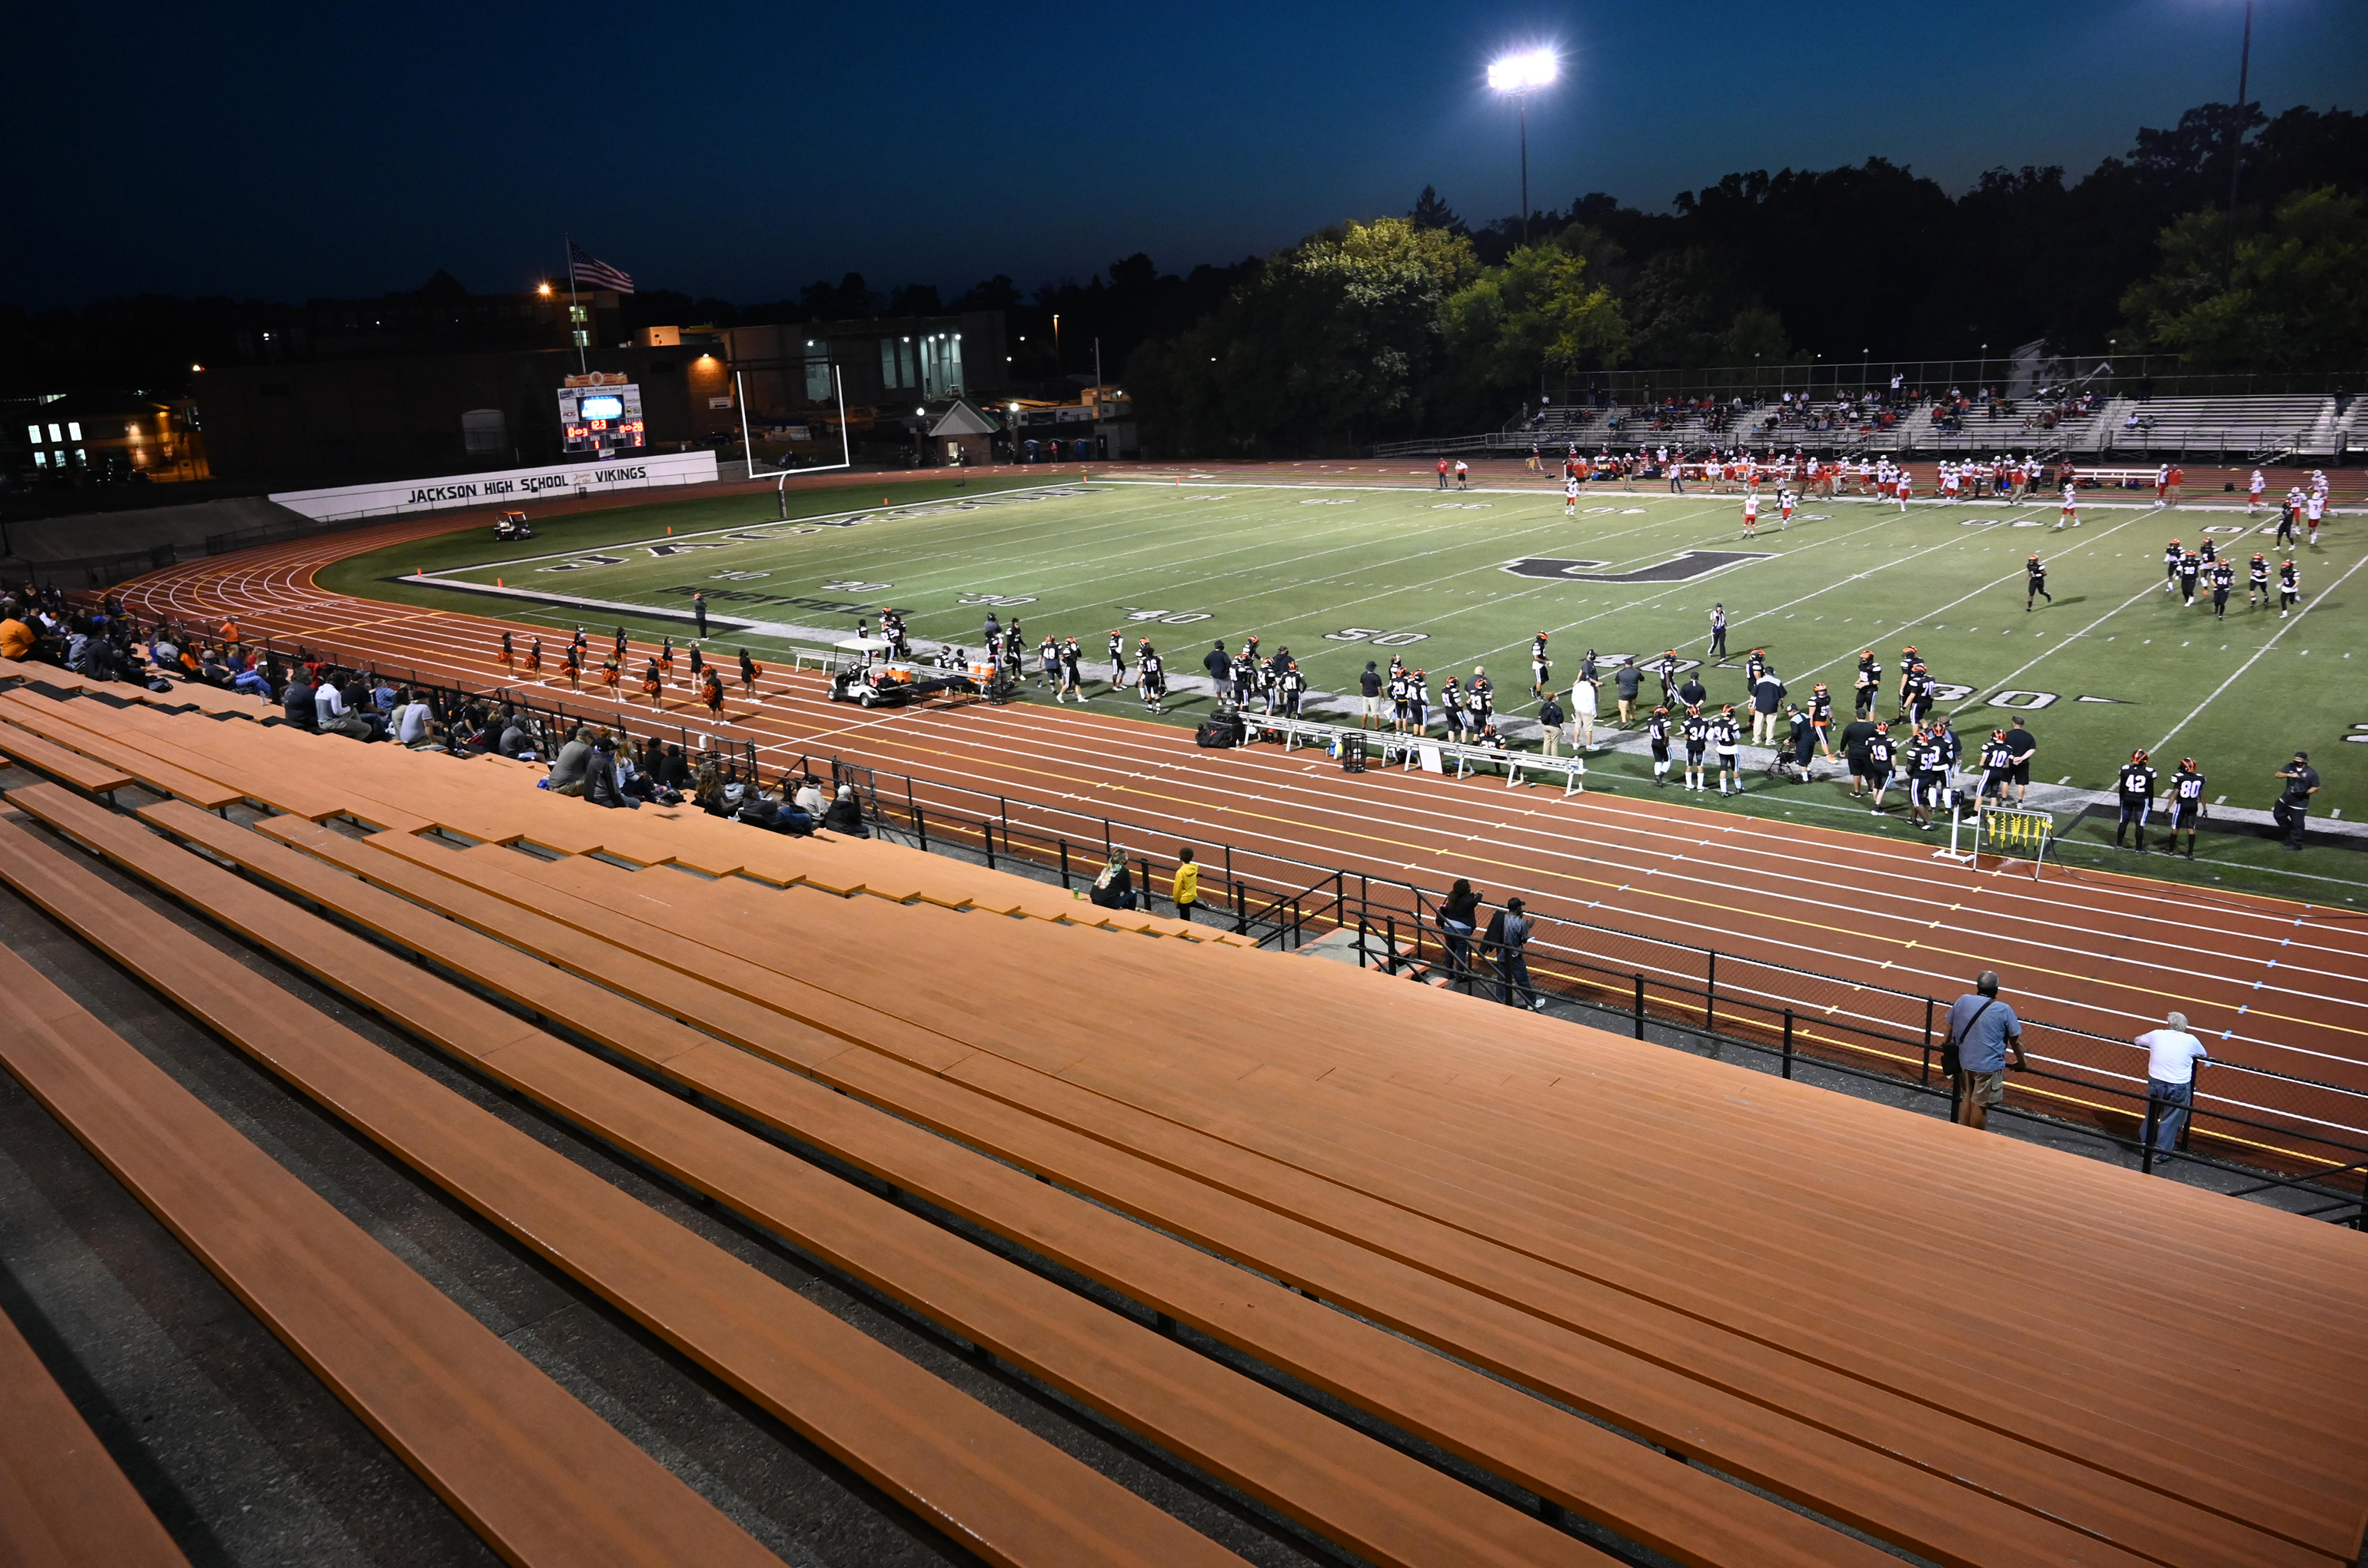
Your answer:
<point x="282" y="151"/>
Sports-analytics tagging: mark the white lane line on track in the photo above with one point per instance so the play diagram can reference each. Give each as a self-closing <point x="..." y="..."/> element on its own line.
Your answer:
<point x="1286" y="842"/>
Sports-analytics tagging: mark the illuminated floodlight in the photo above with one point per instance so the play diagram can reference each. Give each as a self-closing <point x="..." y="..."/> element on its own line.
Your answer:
<point x="1524" y="72"/>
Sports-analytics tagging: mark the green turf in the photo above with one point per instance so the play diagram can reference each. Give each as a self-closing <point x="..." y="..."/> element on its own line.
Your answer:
<point x="1332" y="573"/>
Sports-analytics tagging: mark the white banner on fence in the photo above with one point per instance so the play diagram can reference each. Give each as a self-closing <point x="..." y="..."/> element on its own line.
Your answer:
<point x="507" y="487"/>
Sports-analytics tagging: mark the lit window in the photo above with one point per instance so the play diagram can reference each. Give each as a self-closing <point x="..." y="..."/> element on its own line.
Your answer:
<point x="41" y="459"/>
<point x="74" y="431"/>
<point x="56" y="434"/>
<point x="34" y="431"/>
<point x="583" y="338"/>
<point x="79" y="460"/>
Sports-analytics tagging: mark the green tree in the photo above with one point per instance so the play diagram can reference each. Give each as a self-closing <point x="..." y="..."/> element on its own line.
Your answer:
<point x="2295" y="299"/>
<point x="1332" y="342"/>
<point x="1538" y="313"/>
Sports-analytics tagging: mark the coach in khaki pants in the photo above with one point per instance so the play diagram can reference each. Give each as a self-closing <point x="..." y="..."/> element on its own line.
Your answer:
<point x="1982" y="1031"/>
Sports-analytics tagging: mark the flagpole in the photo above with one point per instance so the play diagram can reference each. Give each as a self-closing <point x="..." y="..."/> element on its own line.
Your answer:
<point x="575" y="334"/>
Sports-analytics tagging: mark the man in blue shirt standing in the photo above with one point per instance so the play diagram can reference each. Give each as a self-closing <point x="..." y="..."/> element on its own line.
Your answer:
<point x="1982" y="1031"/>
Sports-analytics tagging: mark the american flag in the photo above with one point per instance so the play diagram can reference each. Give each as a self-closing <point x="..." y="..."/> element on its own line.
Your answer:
<point x="593" y="273"/>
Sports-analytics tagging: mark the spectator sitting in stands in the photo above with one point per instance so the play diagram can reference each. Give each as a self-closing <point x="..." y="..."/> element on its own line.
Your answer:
<point x="1114" y="886"/>
<point x="18" y="639"/>
<point x="808" y="798"/>
<point x="517" y="736"/>
<point x="411" y="720"/>
<point x="567" y="768"/>
<point x="251" y="681"/>
<point x="331" y="715"/>
<point x="297" y="706"/>
<point x="602" y="785"/>
<point x="673" y="774"/>
<point x="845" y="815"/>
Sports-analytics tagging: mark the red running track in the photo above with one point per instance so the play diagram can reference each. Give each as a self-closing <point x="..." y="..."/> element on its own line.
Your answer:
<point x="2267" y="983"/>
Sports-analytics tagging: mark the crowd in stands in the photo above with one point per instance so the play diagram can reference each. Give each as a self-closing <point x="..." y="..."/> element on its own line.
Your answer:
<point x="585" y="761"/>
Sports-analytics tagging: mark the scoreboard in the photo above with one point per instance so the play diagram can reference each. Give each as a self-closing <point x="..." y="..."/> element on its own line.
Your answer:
<point x="603" y="417"/>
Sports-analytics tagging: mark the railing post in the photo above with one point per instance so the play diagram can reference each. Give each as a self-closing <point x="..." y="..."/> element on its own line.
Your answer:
<point x="1064" y="857"/>
<point x="1241" y="911"/>
<point x="1788" y="1042"/>
<point x="2146" y="1145"/>
<point x="1927" y="1043"/>
<point x="920" y="828"/>
<point x="1710" y="993"/>
<point x="987" y="832"/>
<point x="1640" y="1004"/>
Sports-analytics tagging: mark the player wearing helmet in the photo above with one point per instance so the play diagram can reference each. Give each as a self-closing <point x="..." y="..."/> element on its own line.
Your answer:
<point x="2289" y="588"/>
<point x="2257" y="583"/>
<point x="1821" y="720"/>
<point x="2136" y="790"/>
<point x="1878" y="762"/>
<point x="1539" y="665"/>
<point x="2172" y="554"/>
<point x="1656" y="730"/>
<point x="1695" y="731"/>
<point x="1869" y="684"/>
<point x="2184" y="799"/>
<point x="2034" y="576"/>
<point x="1726" y="735"/>
<point x="1997" y="766"/>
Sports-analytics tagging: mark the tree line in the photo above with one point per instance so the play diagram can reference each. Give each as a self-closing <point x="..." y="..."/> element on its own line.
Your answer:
<point x="1420" y="323"/>
<point x="1424" y="323"/>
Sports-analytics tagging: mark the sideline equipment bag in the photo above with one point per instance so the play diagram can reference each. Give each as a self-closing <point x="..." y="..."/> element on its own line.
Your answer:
<point x="1223" y="729"/>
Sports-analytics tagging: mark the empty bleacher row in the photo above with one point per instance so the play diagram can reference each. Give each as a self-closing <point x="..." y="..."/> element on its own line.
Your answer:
<point x="1429" y="1281"/>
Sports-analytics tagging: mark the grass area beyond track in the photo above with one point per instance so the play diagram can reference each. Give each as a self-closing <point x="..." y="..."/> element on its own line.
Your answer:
<point x="1343" y="574"/>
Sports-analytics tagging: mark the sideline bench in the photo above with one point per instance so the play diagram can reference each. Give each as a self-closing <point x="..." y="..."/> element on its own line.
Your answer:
<point x="1390" y="746"/>
<point x="63" y="1504"/>
<point x="986" y="1482"/>
<point x="1384" y="1506"/>
<point x="544" y="1480"/>
<point x="1770" y="1448"/>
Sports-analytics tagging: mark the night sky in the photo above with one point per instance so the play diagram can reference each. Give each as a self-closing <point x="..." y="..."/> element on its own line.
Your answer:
<point x="281" y="151"/>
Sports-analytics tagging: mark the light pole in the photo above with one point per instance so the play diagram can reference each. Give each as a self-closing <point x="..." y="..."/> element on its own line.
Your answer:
<point x="2236" y="137"/>
<point x="1519" y="76"/>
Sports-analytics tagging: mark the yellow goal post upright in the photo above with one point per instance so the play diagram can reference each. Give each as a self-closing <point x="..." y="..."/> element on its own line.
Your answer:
<point x="2013" y="830"/>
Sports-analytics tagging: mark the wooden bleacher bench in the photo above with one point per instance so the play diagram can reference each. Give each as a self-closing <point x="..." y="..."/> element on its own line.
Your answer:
<point x="309" y="786"/>
<point x="53" y="720"/>
<point x="1322" y="1473"/>
<point x="1816" y="1468"/>
<point x="1670" y="1506"/>
<point x="544" y="1480"/>
<point x="290" y="771"/>
<point x="989" y="1484"/>
<point x="725" y="916"/>
<point x="63" y="1504"/>
<point x="74" y="768"/>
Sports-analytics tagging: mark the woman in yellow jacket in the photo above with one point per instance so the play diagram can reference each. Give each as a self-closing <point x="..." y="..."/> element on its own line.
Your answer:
<point x="1187" y="888"/>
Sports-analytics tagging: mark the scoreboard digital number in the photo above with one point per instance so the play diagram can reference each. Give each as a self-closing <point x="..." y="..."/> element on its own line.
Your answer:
<point x="601" y="418"/>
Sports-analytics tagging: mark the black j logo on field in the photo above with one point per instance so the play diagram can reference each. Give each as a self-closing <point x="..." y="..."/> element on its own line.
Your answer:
<point x="1682" y="568"/>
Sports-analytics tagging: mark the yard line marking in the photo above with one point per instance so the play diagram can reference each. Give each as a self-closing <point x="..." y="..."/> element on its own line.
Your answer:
<point x="2265" y="647"/>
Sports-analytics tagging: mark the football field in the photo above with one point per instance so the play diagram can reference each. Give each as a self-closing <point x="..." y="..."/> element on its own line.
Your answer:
<point x="1339" y="575"/>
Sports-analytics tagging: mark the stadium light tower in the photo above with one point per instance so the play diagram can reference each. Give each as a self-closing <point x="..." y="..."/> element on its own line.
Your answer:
<point x="1518" y="75"/>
